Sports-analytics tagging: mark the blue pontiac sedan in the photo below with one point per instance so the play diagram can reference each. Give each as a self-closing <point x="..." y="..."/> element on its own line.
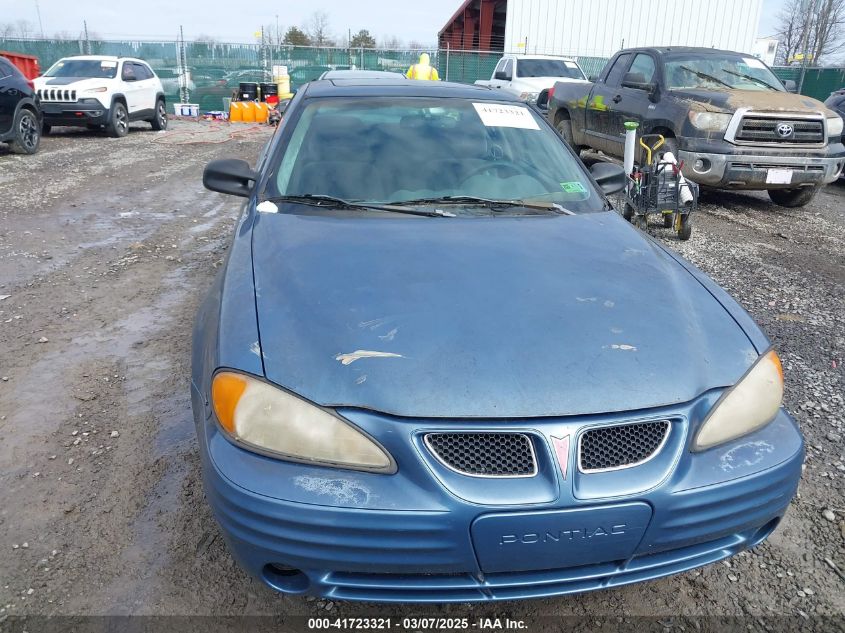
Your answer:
<point x="438" y="366"/>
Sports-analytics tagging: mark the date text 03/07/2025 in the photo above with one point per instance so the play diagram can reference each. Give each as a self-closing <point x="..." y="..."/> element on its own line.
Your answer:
<point x="417" y="624"/>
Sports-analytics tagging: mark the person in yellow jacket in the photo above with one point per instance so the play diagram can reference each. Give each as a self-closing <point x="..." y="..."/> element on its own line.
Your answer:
<point x="423" y="70"/>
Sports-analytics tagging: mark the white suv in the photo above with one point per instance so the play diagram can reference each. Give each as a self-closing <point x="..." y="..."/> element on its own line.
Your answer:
<point x="101" y="91"/>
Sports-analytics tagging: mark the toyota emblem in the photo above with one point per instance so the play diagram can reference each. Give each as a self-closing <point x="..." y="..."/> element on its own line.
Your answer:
<point x="784" y="130"/>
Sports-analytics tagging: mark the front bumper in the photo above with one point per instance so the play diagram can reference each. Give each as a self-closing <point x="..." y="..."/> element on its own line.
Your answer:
<point x="750" y="171"/>
<point x="86" y="112"/>
<point x="413" y="537"/>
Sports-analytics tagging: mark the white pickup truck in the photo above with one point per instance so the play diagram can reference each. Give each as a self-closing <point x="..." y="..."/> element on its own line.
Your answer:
<point x="526" y="76"/>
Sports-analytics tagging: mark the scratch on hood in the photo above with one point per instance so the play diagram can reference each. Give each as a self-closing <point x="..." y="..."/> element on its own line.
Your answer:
<point x="347" y="359"/>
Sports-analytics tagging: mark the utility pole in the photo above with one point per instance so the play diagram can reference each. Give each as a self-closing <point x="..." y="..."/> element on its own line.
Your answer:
<point x="87" y="41"/>
<point x="40" y="24"/>
<point x="810" y="7"/>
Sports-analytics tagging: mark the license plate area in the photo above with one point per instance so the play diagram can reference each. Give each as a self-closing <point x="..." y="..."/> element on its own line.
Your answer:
<point x="556" y="539"/>
<point x="779" y="176"/>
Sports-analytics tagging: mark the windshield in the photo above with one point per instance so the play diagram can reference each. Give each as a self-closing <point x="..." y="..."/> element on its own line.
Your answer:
<point x="715" y="72"/>
<point x="548" y="68"/>
<point x="398" y="150"/>
<point x="103" y="69"/>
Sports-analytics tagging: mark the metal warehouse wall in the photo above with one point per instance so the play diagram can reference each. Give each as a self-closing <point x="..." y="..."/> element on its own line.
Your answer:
<point x="599" y="27"/>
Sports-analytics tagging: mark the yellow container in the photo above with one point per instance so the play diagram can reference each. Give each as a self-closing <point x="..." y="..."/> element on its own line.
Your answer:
<point x="283" y="82"/>
<point x="248" y="115"/>
<point x="262" y="112"/>
<point x="236" y="111"/>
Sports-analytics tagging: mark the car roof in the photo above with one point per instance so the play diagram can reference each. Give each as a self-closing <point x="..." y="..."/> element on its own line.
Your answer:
<point x="668" y="50"/>
<point x="360" y="74"/>
<point x="560" y="57"/>
<point x="105" y="58"/>
<point x="401" y="87"/>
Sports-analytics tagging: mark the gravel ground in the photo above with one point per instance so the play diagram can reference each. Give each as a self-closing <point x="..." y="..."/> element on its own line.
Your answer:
<point x="106" y="248"/>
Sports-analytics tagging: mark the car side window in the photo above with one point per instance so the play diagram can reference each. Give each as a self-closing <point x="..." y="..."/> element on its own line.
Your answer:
<point x="5" y="69"/>
<point x="643" y="65"/>
<point x="146" y="70"/>
<point x="509" y="67"/>
<point x="614" y="75"/>
<point x="128" y="72"/>
<point x="500" y="67"/>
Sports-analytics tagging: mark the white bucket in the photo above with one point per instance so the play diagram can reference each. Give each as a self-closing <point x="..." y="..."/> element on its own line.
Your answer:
<point x="186" y="109"/>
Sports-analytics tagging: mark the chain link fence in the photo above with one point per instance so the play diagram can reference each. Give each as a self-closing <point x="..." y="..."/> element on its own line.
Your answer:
<point x="216" y="69"/>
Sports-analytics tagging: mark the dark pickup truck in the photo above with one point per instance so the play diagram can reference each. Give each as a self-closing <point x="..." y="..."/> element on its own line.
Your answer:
<point x="724" y="114"/>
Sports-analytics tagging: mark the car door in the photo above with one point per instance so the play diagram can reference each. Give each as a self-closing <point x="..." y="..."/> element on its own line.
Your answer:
<point x="600" y="104"/>
<point x="629" y="103"/>
<point x="148" y="87"/>
<point x="9" y="96"/>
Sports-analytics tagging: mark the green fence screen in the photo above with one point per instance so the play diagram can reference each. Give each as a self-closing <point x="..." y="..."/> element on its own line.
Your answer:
<point x="215" y="69"/>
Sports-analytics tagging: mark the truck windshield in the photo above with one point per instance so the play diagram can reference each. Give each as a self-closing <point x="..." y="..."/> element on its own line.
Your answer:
<point x="548" y="68"/>
<point x="398" y="150"/>
<point x="88" y="68"/>
<point x="719" y="72"/>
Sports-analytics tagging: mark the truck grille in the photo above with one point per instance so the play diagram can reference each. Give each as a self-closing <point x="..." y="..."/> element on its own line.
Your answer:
<point x="621" y="446"/>
<point x="484" y="454"/>
<point x="57" y="94"/>
<point x="758" y="129"/>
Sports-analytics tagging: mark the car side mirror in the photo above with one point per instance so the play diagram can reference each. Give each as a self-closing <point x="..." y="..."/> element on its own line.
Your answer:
<point x="502" y="76"/>
<point x="229" y="175"/>
<point x="610" y="177"/>
<point x="593" y="78"/>
<point x="790" y="85"/>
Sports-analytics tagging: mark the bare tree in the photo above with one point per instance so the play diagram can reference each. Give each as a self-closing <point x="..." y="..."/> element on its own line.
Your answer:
<point x="823" y="21"/>
<point x="318" y="29"/>
<point x="24" y="29"/>
<point x="391" y="41"/>
<point x="7" y="30"/>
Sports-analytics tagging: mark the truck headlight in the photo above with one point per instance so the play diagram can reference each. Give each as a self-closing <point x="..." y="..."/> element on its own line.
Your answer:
<point x="834" y="126"/>
<point x="749" y="405"/>
<point x="88" y="90"/>
<point x="267" y="419"/>
<point x="530" y="97"/>
<point x="710" y="121"/>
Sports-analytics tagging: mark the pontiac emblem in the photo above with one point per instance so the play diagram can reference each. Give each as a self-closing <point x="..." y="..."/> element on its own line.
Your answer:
<point x="561" y="446"/>
<point x="784" y="130"/>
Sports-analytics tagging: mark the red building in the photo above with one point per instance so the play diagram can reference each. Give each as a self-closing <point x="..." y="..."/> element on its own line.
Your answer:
<point x="478" y="25"/>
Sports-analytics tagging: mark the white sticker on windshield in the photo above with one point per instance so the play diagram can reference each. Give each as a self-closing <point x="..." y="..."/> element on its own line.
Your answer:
<point x="499" y="115"/>
<point x="753" y="62"/>
<point x="571" y="64"/>
<point x="107" y="64"/>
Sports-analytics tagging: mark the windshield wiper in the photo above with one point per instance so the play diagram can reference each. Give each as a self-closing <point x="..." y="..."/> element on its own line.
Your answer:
<point x="330" y="202"/>
<point x="487" y="202"/>
<point x="750" y="77"/>
<point x="706" y="76"/>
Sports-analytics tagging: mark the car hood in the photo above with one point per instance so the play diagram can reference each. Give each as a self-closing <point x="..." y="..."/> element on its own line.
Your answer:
<point x="77" y="83"/>
<point x="536" y="84"/>
<point x="763" y="100"/>
<point x="500" y="317"/>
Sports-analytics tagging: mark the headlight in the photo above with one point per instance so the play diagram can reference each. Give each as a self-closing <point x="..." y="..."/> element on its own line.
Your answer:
<point x="750" y="404"/>
<point x="834" y="126"/>
<point x="530" y="97"/>
<point x="100" y="89"/>
<point x="710" y="121"/>
<point x="266" y="419"/>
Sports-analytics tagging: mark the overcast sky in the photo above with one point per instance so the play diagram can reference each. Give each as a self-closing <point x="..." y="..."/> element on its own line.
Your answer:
<point x="233" y="20"/>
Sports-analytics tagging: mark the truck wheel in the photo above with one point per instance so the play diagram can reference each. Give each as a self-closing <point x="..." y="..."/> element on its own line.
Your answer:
<point x="159" y="121"/>
<point x="564" y="127"/>
<point x="27" y="133"/>
<point x="118" y="125"/>
<point x="793" y="197"/>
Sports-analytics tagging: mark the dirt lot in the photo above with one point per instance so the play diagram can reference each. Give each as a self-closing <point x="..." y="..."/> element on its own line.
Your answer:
<point x="106" y="248"/>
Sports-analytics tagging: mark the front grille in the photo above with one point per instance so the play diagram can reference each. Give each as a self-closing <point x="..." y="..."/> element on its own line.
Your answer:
<point x="484" y="454"/>
<point x="753" y="166"/>
<point x="756" y="129"/>
<point x="622" y="446"/>
<point x="57" y="94"/>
